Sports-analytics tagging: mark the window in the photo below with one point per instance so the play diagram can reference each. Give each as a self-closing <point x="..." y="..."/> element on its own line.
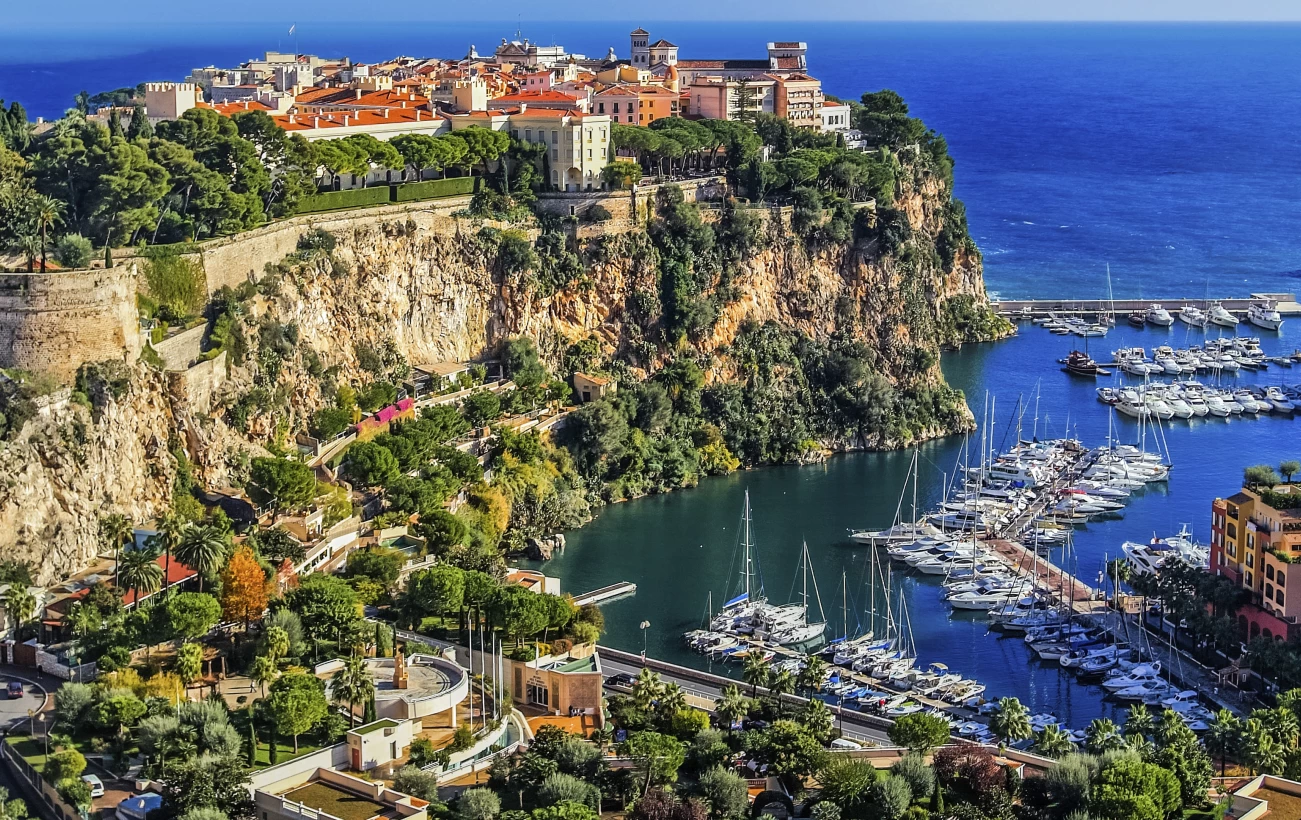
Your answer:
<point x="1233" y="551"/>
<point x="1248" y="584"/>
<point x="538" y="693"/>
<point x="1251" y="540"/>
<point x="1251" y="559"/>
<point x="600" y="108"/>
<point x="1269" y="571"/>
<point x="555" y="153"/>
<point x="555" y="136"/>
<point x="1231" y="531"/>
<point x="616" y="108"/>
<point x="1278" y="597"/>
<point x="1281" y="579"/>
<point x="1269" y="592"/>
<point x="528" y="134"/>
<point x="589" y="153"/>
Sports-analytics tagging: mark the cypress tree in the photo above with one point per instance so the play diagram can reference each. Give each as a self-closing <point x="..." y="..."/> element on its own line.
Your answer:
<point x="937" y="800"/>
<point x="252" y="740"/>
<point x="108" y="256"/>
<point x="369" y="715"/>
<point x="379" y="640"/>
<point x="114" y="124"/>
<point x="139" y="128"/>
<point x="274" y="756"/>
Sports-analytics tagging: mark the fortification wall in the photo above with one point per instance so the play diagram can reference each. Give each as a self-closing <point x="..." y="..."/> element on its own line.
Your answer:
<point x="178" y="351"/>
<point x="54" y="322"/>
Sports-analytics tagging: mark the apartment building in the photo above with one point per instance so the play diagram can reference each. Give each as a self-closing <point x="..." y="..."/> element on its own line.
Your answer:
<point x="1255" y="537"/>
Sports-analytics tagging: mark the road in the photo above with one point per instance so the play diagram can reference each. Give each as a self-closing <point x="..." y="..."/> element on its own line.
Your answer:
<point x="852" y="725"/>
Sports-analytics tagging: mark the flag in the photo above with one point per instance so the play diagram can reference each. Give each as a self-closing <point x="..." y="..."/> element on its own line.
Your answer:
<point x="292" y="27"/>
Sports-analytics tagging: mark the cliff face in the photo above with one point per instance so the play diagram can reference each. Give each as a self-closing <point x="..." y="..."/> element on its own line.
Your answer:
<point x="436" y="293"/>
<point x="428" y="287"/>
<point x="67" y="469"/>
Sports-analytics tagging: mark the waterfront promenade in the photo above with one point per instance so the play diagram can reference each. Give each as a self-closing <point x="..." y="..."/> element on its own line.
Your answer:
<point x="1012" y="308"/>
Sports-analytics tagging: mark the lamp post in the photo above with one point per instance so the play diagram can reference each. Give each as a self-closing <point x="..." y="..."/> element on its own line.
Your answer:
<point x="645" y="625"/>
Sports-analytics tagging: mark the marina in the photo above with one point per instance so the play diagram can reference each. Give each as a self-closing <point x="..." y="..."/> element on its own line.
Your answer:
<point x="819" y="504"/>
<point x="1285" y="303"/>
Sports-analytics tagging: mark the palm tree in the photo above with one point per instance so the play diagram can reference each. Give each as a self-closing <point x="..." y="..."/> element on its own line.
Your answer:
<point x="1011" y="721"/>
<point x="48" y="212"/>
<point x="263" y="671"/>
<point x="171" y="532"/>
<point x="781" y="684"/>
<point x="646" y="690"/>
<point x="30" y="245"/>
<point x="756" y="673"/>
<point x="1138" y="721"/>
<point x="202" y="550"/>
<point x="1102" y="735"/>
<point x="140" y="571"/>
<point x="1261" y="752"/>
<point x="352" y="685"/>
<point x="732" y="706"/>
<point x="1053" y="742"/>
<point x="810" y="677"/>
<point x="116" y="529"/>
<point x="672" y="699"/>
<point x="1224" y="736"/>
<point x="19" y="604"/>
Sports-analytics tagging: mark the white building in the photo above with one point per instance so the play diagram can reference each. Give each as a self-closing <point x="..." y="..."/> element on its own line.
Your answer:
<point x="835" y="117"/>
<point x="168" y="101"/>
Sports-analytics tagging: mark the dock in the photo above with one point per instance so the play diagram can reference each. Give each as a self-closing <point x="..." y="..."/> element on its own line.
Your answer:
<point x="606" y="593"/>
<point x="1016" y="308"/>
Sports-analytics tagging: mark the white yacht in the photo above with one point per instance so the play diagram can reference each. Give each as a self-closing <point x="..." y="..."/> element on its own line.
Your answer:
<point x="1147" y="558"/>
<point x="1279" y="400"/>
<point x="1219" y="316"/>
<point x="1192" y="315"/>
<point x="1157" y="315"/>
<point x="1264" y="314"/>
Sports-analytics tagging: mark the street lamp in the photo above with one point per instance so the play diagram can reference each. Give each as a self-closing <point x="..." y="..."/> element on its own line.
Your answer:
<point x="645" y="625"/>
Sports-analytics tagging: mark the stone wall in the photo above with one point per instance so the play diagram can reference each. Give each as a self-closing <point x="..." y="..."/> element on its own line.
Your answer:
<point x="619" y="203"/>
<point x="200" y="384"/>
<point x="54" y="322"/>
<point x="178" y="351"/>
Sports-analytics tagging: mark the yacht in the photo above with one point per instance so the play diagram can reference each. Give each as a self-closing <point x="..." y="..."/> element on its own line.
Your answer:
<point x="1216" y="406"/>
<point x="1080" y="363"/>
<point x="1219" y="316"/>
<point x="1146" y="559"/>
<point x="1279" y="400"/>
<point x="1264" y="314"/>
<point x="1137" y="319"/>
<point x="1191" y="315"/>
<point x="1157" y="315"/>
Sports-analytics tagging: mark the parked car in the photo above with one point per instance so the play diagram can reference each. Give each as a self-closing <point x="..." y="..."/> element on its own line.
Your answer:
<point x="96" y="785"/>
<point x="15" y="689"/>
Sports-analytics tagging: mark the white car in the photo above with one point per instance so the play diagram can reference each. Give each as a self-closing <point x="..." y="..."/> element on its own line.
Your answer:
<point x="96" y="785"/>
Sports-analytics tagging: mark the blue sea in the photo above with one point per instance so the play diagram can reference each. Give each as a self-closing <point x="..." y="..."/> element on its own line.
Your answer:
<point x="1171" y="152"/>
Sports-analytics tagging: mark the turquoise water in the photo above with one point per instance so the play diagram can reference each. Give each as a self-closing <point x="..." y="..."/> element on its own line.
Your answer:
<point x="679" y="548"/>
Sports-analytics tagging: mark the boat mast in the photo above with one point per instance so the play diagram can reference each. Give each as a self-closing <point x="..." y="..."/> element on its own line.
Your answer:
<point x="746" y="544"/>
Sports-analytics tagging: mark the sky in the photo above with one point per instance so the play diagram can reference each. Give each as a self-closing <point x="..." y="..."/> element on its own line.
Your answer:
<point x="82" y="12"/>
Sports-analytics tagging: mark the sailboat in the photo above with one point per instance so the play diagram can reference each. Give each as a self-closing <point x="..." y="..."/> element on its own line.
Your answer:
<point x="739" y="612"/>
<point x="801" y="630"/>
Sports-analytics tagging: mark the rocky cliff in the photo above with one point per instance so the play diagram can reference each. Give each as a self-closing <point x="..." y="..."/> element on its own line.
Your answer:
<point x="428" y="287"/>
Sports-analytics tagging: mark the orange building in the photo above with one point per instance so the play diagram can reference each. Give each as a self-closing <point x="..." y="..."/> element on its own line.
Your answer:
<point x="1255" y="537"/>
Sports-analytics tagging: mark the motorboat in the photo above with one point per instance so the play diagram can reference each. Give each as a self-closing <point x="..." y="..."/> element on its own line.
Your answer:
<point x="1279" y="400"/>
<point x="1157" y="315"/>
<point x="1192" y="316"/>
<point x="1146" y="559"/>
<point x="1218" y="315"/>
<point x="1137" y="319"/>
<point x="899" y="533"/>
<point x="1217" y="407"/>
<point x="1264" y="314"/>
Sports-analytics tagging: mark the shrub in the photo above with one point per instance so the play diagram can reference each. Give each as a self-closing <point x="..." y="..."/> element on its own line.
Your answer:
<point x="337" y="200"/>
<point x="175" y="281"/>
<point x="478" y="804"/>
<point x="434" y="189"/>
<point x="73" y="251"/>
<point x="598" y="213"/>
<point x="417" y="783"/>
<point x="920" y="778"/>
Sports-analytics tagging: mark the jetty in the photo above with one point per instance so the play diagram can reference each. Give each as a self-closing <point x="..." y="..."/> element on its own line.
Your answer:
<point x="606" y="593"/>
<point x="1287" y="305"/>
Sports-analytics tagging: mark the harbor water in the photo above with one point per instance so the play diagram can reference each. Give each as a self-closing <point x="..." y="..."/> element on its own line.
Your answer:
<point x="680" y="548"/>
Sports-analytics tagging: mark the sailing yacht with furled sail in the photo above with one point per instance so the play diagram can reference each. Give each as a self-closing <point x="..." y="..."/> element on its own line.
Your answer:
<point x="800" y="630"/>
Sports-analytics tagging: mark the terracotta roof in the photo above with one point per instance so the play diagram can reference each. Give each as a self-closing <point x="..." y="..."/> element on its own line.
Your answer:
<point x="349" y="96"/>
<point x="232" y="108"/>
<point x="661" y="44"/>
<point x="785" y="45"/>
<point x="787" y="62"/>
<point x="640" y="31"/>
<point x="309" y="122"/>
<point x="175" y="574"/>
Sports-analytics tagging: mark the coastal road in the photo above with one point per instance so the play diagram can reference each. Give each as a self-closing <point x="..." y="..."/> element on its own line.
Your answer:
<point x="708" y="688"/>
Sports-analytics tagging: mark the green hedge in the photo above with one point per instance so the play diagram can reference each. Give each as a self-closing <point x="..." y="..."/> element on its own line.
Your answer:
<point x="433" y="189"/>
<point x="336" y="200"/>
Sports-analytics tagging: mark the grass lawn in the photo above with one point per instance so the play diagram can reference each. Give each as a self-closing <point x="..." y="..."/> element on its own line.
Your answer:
<point x="331" y="800"/>
<point x="286" y="753"/>
<point x="32" y="750"/>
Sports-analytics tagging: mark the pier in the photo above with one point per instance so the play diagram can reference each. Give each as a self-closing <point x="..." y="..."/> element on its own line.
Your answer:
<point x="606" y="593"/>
<point x="1036" y="308"/>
